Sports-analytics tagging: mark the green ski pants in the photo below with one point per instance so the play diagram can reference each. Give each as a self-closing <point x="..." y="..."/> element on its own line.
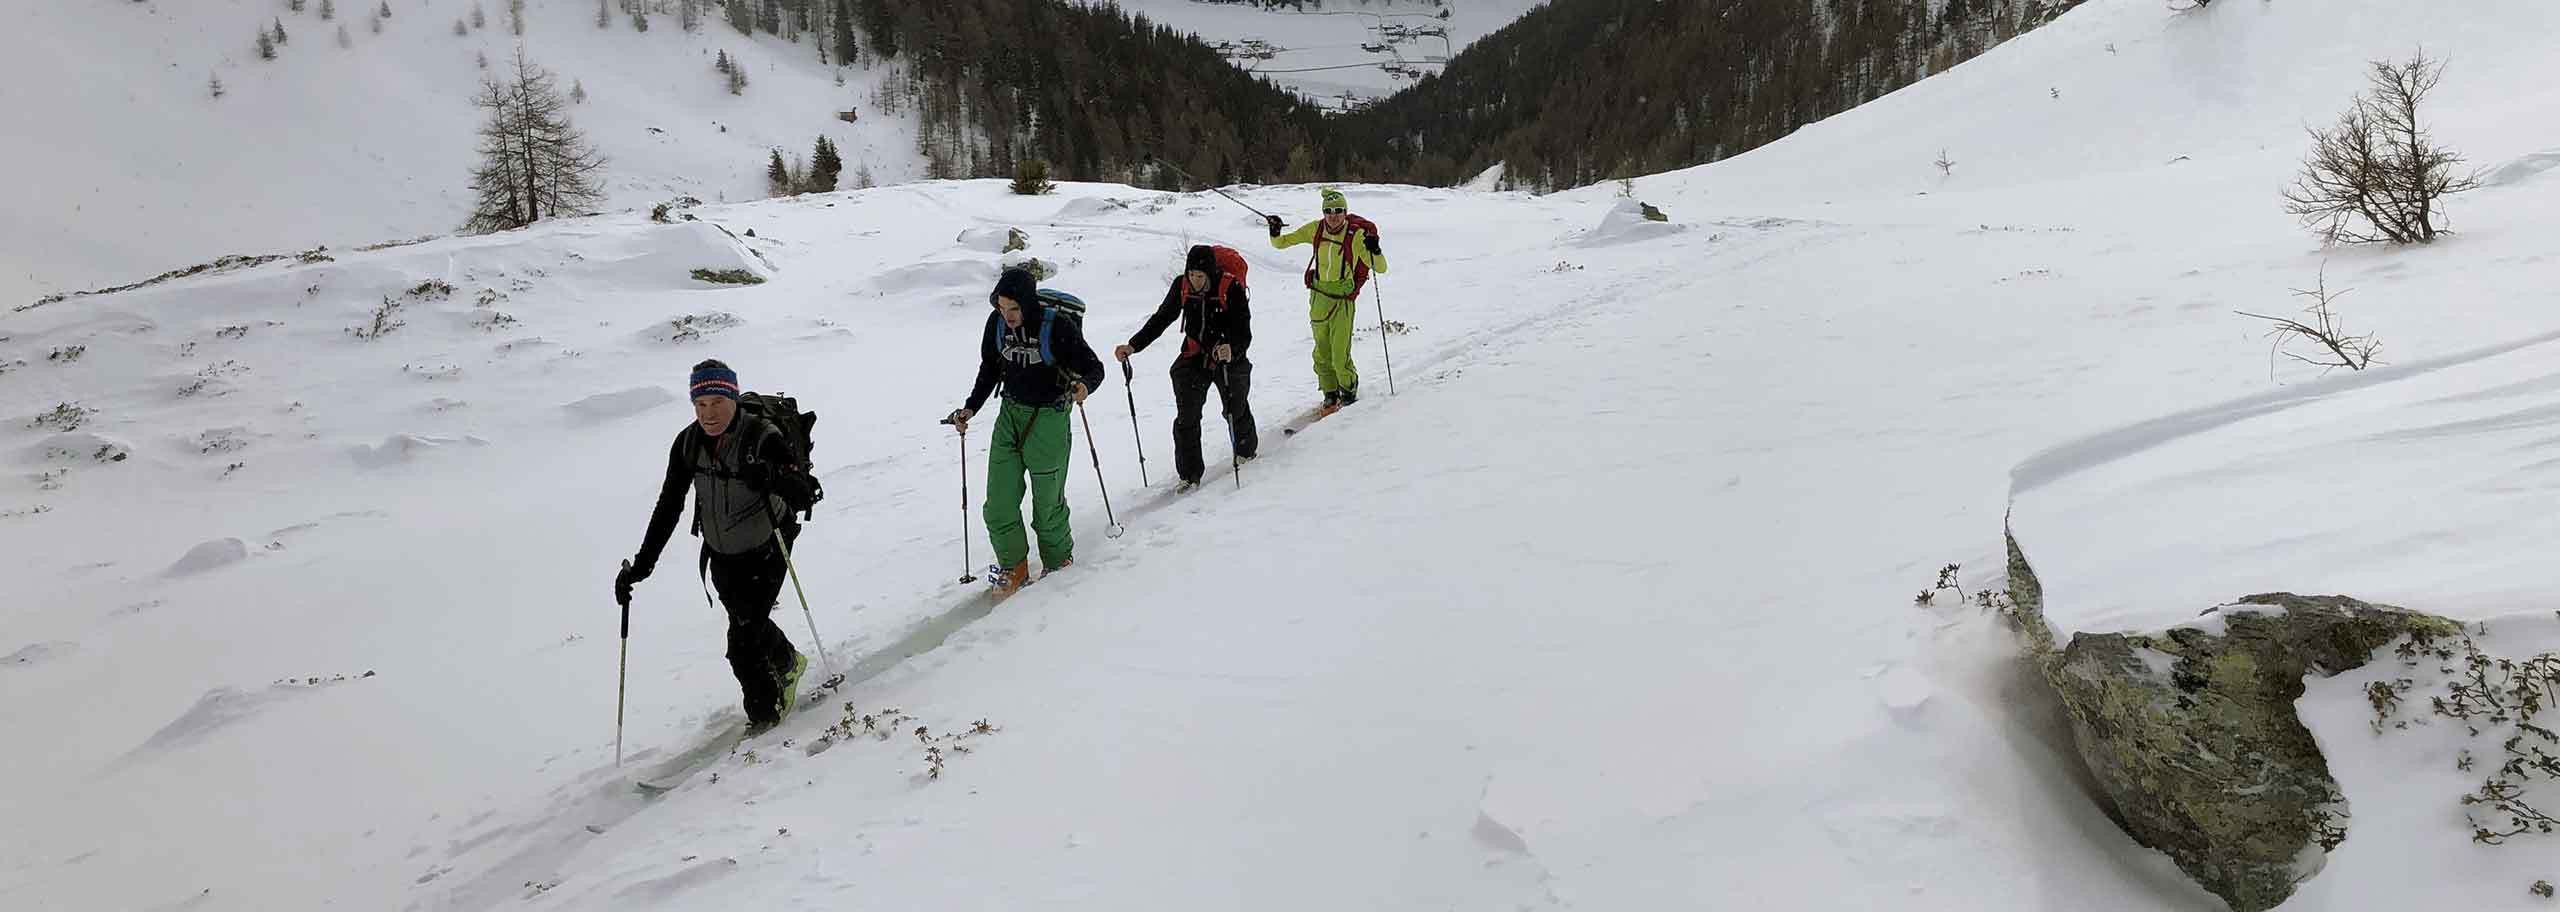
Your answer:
<point x="1036" y="442"/>
<point x="1332" y="318"/>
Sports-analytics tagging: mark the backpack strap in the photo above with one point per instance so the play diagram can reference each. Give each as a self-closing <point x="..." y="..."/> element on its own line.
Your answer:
<point x="1047" y="316"/>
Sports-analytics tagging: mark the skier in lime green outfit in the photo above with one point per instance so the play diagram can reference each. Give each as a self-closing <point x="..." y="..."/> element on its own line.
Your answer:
<point x="1346" y="252"/>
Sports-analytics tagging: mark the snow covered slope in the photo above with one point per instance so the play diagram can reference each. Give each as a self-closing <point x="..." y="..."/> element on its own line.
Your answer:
<point x="135" y="168"/>
<point x="1609" y="606"/>
<point x="1340" y="53"/>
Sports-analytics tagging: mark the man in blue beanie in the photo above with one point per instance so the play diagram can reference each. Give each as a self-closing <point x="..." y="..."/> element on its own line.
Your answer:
<point x="744" y="497"/>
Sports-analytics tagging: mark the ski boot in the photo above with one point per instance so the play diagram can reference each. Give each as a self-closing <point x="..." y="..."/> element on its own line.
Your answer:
<point x="791" y="682"/>
<point x="1007" y="581"/>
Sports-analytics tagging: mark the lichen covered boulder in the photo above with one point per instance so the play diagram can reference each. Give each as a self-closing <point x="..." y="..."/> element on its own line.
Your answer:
<point x="2193" y="736"/>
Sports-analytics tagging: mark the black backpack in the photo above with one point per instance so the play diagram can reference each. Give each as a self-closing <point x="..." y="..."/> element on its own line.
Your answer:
<point x="783" y="413"/>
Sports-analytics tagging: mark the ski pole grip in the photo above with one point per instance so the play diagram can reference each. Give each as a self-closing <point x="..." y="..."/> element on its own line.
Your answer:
<point x="626" y="607"/>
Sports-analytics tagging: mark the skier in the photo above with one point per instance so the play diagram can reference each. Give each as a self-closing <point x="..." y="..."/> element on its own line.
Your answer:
<point x="1039" y="354"/>
<point x="1216" y="329"/>
<point x="745" y="486"/>
<point x="1346" y="251"/>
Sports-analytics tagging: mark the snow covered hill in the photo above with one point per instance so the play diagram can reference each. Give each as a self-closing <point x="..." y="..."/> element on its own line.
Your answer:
<point x="136" y="168"/>
<point x="1340" y="54"/>
<point x="1607" y="606"/>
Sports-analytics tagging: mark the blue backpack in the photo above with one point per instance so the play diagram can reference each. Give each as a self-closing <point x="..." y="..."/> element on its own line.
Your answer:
<point x="1053" y="303"/>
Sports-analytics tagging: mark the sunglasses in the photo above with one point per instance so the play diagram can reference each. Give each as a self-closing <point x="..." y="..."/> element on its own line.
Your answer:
<point x="1336" y="211"/>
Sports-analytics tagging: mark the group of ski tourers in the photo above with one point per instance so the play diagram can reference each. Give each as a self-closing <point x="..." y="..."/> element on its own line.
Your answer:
<point x="746" y="455"/>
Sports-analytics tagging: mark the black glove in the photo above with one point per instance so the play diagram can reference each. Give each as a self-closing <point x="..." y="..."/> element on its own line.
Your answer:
<point x="1373" y="246"/>
<point x="1275" y="224"/>
<point x="623" y="581"/>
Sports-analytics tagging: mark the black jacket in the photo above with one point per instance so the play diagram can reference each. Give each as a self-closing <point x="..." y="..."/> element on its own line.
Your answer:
<point x="1012" y="357"/>
<point x="1208" y="319"/>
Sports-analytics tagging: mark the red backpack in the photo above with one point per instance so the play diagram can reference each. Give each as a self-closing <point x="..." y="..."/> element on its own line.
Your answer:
<point x="1359" y="270"/>
<point x="1231" y="270"/>
<point x="1231" y="274"/>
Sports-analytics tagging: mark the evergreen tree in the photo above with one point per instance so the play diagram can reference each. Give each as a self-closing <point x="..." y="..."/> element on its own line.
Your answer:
<point x="384" y="12"/>
<point x="824" y="167"/>
<point x="280" y="39"/>
<point x="737" y="79"/>
<point x="770" y="19"/>
<point x="881" y="25"/>
<point x="777" y="176"/>
<point x="721" y="63"/>
<point x="328" y="10"/>
<point x="578" y="92"/>
<point x="604" y="14"/>
<point x="374" y="23"/>
<point x="294" y="5"/>
<point x="515" y="17"/>
<point x="1031" y="178"/>
<point x="213" y="83"/>
<point x="345" y="40"/>
<point x="533" y="163"/>
<point x="460" y="28"/>
<point x="479" y="17"/>
<point x="688" y="16"/>
<point x="740" y="16"/>
<point x="639" y="20"/>
<point x="846" y="48"/>
<point x="266" y="45"/>
<point x="862" y="177"/>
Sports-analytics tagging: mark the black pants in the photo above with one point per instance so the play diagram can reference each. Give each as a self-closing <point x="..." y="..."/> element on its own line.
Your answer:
<point x="759" y="654"/>
<point x="1192" y="379"/>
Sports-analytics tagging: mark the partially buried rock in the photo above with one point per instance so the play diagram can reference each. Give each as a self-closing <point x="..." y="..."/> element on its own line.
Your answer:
<point x="2192" y="733"/>
<point x="215" y="554"/>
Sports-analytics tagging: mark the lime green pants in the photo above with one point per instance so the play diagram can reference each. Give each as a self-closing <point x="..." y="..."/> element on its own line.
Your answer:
<point x="1331" y="317"/>
<point x="1034" y="442"/>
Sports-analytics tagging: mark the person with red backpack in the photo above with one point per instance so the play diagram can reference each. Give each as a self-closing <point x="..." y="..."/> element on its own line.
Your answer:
<point x="1217" y="327"/>
<point x="1346" y="252"/>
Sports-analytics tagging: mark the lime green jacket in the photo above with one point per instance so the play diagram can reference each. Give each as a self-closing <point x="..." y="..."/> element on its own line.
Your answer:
<point x="1336" y="272"/>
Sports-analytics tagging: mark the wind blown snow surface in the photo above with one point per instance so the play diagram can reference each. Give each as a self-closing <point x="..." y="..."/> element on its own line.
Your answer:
<point x="1607" y="606"/>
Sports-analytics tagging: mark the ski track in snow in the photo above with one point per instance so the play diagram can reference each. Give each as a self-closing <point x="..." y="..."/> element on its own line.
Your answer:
<point x="602" y="799"/>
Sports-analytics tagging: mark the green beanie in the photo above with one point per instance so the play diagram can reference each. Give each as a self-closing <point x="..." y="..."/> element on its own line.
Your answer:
<point x="1333" y="199"/>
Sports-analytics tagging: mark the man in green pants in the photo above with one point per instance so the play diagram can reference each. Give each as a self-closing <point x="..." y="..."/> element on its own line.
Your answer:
<point x="1346" y="251"/>
<point x="1039" y="354"/>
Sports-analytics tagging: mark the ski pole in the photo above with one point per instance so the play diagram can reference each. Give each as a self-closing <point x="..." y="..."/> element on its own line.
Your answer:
<point x="622" y="675"/>
<point x="1089" y="447"/>
<point x="1186" y="175"/>
<point x="812" y="616"/>
<point x="968" y="574"/>
<point x="1128" y="384"/>
<point x="1390" y="357"/>
<point x="1226" y="410"/>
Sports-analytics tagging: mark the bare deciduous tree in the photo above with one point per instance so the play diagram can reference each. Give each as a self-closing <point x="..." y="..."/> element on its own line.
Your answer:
<point x="2337" y="348"/>
<point x="2378" y="176"/>
<point x="533" y="164"/>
